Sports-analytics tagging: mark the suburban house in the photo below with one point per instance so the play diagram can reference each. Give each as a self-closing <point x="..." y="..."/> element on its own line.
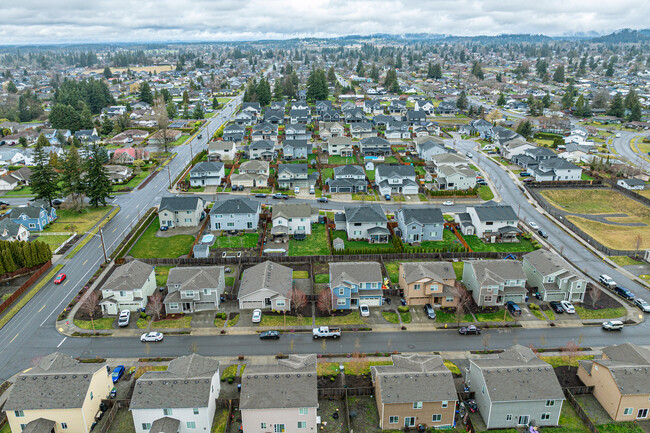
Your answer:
<point x="397" y="108"/>
<point x="366" y="221"/>
<point x="274" y="117"/>
<point x="553" y="277"/>
<point x="424" y="105"/>
<point x="252" y="108"/>
<point x="323" y="106"/>
<point x="362" y="130"/>
<point x="128" y="288"/>
<point x="194" y="288"/>
<point x="620" y="381"/>
<point x="373" y="106"/>
<point x="553" y="169"/>
<point x="265" y="131"/>
<point x="533" y="157"/>
<point x="222" y="151"/>
<point x="396" y="179"/>
<point x="35" y="216"/>
<point x="331" y="115"/>
<point x="58" y="393"/>
<point x="428" y="283"/>
<point x="292" y="175"/>
<point x="8" y="182"/>
<point x="489" y="221"/>
<point x="186" y="392"/>
<point x="354" y="284"/>
<point x="447" y="108"/>
<point x="280" y="398"/>
<point x="515" y="388"/>
<point x="296" y="132"/>
<point x="129" y="155"/>
<point x="455" y="178"/>
<point x="420" y="224"/>
<point x="513" y="148"/>
<point x="375" y="146"/>
<point x="266" y="286"/>
<point x="329" y="130"/>
<point x="414" y="118"/>
<point x="397" y="130"/>
<point x="353" y="115"/>
<point x="245" y="118"/>
<point x="495" y="282"/>
<point x="181" y="211"/>
<point x="348" y="179"/>
<point x="448" y="159"/>
<point x="262" y="149"/>
<point x="479" y="127"/>
<point x="631" y="184"/>
<point x="299" y="115"/>
<point x="118" y="173"/>
<point x="12" y="231"/>
<point x="234" y="133"/>
<point x="415" y="389"/>
<point x="238" y="213"/>
<point x="294" y="219"/>
<point x="89" y="135"/>
<point x="296" y="149"/>
<point x="252" y="174"/>
<point x="341" y="146"/>
<point x="207" y="174"/>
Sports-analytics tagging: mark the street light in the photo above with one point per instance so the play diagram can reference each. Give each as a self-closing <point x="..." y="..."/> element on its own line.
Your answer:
<point x="101" y="237"/>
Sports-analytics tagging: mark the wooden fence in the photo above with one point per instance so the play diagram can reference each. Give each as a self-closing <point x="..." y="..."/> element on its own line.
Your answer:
<point x="345" y="392"/>
<point x="26" y="285"/>
<point x="116" y="405"/>
<point x="581" y="413"/>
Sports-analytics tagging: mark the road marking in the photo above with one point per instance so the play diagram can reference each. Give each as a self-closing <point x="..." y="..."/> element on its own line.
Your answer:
<point x="114" y="201"/>
<point x="84" y="262"/>
<point x="12" y="340"/>
<point x="42" y="308"/>
<point x="114" y="229"/>
<point x="64" y="338"/>
<point x="68" y="280"/>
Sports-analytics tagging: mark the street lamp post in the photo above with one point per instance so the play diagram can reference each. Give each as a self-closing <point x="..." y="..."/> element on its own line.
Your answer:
<point x="101" y="237"/>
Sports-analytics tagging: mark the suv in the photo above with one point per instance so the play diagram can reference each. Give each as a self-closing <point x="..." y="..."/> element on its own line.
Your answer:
<point x="125" y="317"/>
<point x="429" y="311"/>
<point x="607" y="281"/>
<point x="557" y="307"/>
<point x="624" y="293"/>
<point x="643" y="305"/>
<point x="613" y="325"/>
<point x="513" y="308"/>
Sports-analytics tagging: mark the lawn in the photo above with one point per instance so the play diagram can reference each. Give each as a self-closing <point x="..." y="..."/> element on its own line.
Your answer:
<point x="377" y="248"/>
<point x="233" y="321"/>
<point x="569" y="422"/>
<point x="182" y="322"/>
<point x="390" y="316"/>
<point x="100" y="323"/>
<point x="162" y="272"/>
<point x="390" y="160"/>
<point x="122" y="423"/>
<point x="603" y="313"/>
<point x="220" y="420"/>
<point x="452" y="367"/>
<point x="620" y="427"/>
<point x="246" y="240"/>
<point x="315" y="244"/>
<point x="370" y="174"/>
<point x="477" y="245"/>
<point x="322" y="278"/>
<point x="350" y="319"/>
<point x="182" y="139"/>
<point x="25" y="190"/>
<point x="285" y="321"/>
<point x="134" y="182"/>
<point x="327" y="369"/>
<point x="458" y="269"/>
<point x="5" y="428"/>
<point x="80" y="222"/>
<point x="494" y="317"/>
<point x="448" y="241"/>
<point x="442" y="317"/>
<point x="560" y="361"/>
<point x="622" y="260"/>
<point x="341" y="160"/>
<point x="405" y="316"/>
<point x="151" y="246"/>
<point x="485" y="192"/>
<point x="53" y="241"/>
<point x="300" y="275"/>
<point x="364" y="197"/>
<point x="393" y="271"/>
<point x="327" y="173"/>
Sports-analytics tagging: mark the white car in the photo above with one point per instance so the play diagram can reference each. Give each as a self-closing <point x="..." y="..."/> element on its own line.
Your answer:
<point x="365" y="311"/>
<point x="151" y="336"/>
<point x="125" y="317"/>
<point x="257" y="316"/>
<point x="643" y="305"/>
<point x="568" y="307"/>
<point x="534" y="225"/>
<point x="448" y="203"/>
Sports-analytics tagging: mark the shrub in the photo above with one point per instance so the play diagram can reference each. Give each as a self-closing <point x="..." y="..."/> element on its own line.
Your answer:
<point x="403" y="309"/>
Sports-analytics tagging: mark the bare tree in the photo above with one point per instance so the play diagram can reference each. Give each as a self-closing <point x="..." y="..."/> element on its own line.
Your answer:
<point x="462" y="306"/>
<point x="638" y="241"/>
<point x="156" y="304"/>
<point x="486" y="341"/>
<point x="160" y="114"/>
<point x="298" y="299"/>
<point x="595" y="293"/>
<point x="324" y="302"/>
<point x="88" y="307"/>
<point x="359" y="364"/>
<point x="570" y="351"/>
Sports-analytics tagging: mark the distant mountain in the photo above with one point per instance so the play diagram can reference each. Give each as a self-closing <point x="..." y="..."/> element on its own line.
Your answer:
<point x="624" y="36"/>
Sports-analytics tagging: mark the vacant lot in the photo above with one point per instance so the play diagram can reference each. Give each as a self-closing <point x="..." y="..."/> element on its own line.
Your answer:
<point x="150" y="246"/>
<point x="80" y="222"/>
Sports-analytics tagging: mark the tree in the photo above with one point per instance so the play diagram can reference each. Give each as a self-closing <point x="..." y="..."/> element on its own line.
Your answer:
<point x="477" y="71"/>
<point x="501" y="101"/>
<point x="317" y="86"/>
<point x="358" y="365"/>
<point x="461" y="101"/>
<point x="98" y="185"/>
<point x="161" y="114"/>
<point x="72" y="184"/>
<point x="156" y="304"/>
<point x="609" y="72"/>
<point x="391" y="82"/>
<point x="570" y="351"/>
<point x="11" y="87"/>
<point x="298" y="300"/>
<point x="634" y="106"/>
<point x="145" y="93"/>
<point x="463" y="303"/>
<point x="331" y="75"/>
<point x="107" y="126"/>
<point x="44" y="180"/>
<point x="324" y="303"/>
<point x="525" y="129"/>
<point x="568" y="98"/>
<point x="89" y="305"/>
<point x="434" y="71"/>
<point x="107" y="73"/>
<point x="197" y="113"/>
<point x="263" y="92"/>
<point x="558" y="75"/>
<point x="22" y="140"/>
<point x="638" y="241"/>
<point x="360" y="69"/>
<point x="616" y="108"/>
<point x="546" y="100"/>
<point x="374" y="73"/>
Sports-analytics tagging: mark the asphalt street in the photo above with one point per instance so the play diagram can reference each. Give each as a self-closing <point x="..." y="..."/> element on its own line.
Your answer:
<point x="623" y="148"/>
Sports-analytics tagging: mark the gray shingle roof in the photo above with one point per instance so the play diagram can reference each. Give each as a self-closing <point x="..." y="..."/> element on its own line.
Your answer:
<point x="207" y="166"/>
<point x="346" y="170"/>
<point x="437" y="271"/>
<point x="267" y="275"/>
<point x="369" y="213"/>
<point x="428" y="215"/>
<point x="235" y="206"/>
<point x="354" y="272"/>
<point x="494" y="272"/>
<point x="547" y="263"/>
<point x="293" y="168"/>
<point x="261" y="145"/>
<point x="130" y="276"/>
<point x="195" y="277"/>
<point x="374" y="141"/>
<point x="292" y="210"/>
<point x="180" y="203"/>
<point x="40" y="425"/>
<point x="487" y="213"/>
<point x="385" y="170"/>
<point x="629" y="366"/>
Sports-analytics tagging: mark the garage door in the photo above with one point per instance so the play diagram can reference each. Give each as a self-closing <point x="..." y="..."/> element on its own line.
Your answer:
<point x="513" y="297"/>
<point x="371" y="302"/>
<point x="345" y="189"/>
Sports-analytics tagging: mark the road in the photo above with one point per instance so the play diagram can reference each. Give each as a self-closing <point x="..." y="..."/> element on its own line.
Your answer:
<point x="623" y="148"/>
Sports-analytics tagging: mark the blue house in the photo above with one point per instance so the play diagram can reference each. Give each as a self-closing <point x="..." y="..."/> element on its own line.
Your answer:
<point x="355" y="284"/>
<point x="35" y="216"/>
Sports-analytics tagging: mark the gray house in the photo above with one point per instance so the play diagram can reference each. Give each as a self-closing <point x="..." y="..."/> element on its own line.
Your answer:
<point x="194" y="288"/>
<point x="296" y="132"/>
<point x="495" y="282"/>
<point x="375" y="146"/>
<point x="340" y="146"/>
<point x="393" y="179"/>
<point x="296" y="149"/>
<point x="266" y="286"/>
<point x="365" y="222"/>
<point x="262" y="149"/>
<point x="181" y="211"/>
<point x="292" y="175"/>
<point x="235" y="214"/>
<point x="348" y="179"/>
<point x="207" y="173"/>
<point x="553" y="277"/>
<point x="515" y="389"/>
<point x="421" y="224"/>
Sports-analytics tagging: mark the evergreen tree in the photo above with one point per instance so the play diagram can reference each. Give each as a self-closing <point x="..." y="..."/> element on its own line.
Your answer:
<point x="171" y="110"/>
<point x="186" y="97"/>
<point x="360" y="69"/>
<point x="461" y="101"/>
<point x="616" y="108"/>
<point x="582" y="107"/>
<point x="546" y="100"/>
<point x="145" y="93"/>
<point x="198" y="112"/>
<point x="398" y="61"/>
<point x="525" y="129"/>
<point x="477" y="71"/>
<point x="633" y="105"/>
<point x="501" y="101"/>
<point x="331" y="76"/>
<point x="470" y="112"/>
<point x="263" y="92"/>
<point x="98" y="185"/>
<point x="609" y="72"/>
<point x="8" y="261"/>
<point x="107" y="73"/>
<point x="215" y="103"/>
<point x="72" y="184"/>
<point x="107" y="126"/>
<point x="277" y="90"/>
<point x="390" y="81"/>
<point x="499" y="77"/>
<point x="44" y="180"/>
<point x="568" y="98"/>
<point x="22" y="140"/>
<point x="186" y="112"/>
<point x="11" y="87"/>
<point x="317" y="86"/>
<point x="374" y="73"/>
<point x="558" y="75"/>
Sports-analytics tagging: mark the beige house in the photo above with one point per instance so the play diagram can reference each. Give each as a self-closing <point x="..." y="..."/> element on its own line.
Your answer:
<point x="61" y="390"/>
<point x="416" y="389"/>
<point x="128" y="288"/>
<point x="428" y="283"/>
<point x="266" y="286"/>
<point x="252" y="174"/>
<point x="620" y="381"/>
<point x="181" y="211"/>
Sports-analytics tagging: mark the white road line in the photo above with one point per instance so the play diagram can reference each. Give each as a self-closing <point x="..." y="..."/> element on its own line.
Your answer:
<point x="59" y="345"/>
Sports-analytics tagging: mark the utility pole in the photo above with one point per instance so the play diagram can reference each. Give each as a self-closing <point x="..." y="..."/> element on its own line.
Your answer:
<point x="101" y="236"/>
<point x="170" y="177"/>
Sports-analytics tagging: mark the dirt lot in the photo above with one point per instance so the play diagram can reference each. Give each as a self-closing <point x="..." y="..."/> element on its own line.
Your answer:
<point x="363" y="415"/>
<point x="333" y="417"/>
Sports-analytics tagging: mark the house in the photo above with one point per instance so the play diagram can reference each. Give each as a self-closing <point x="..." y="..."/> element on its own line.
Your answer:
<point x="330" y="115"/>
<point x="375" y="146"/>
<point x="265" y="131"/>
<point x="555" y="169"/>
<point x="397" y="130"/>
<point x="396" y="179"/>
<point x="429" y="283"/>
<point x="266" y="286"/>
<point x="515" y="388"/>
<point x="35" y="216"/>
<point x="299" y="115"/>
<point x="340" y="146"/>
<point x="397" y="108"/>
<point x="36" y="397"/>
<point x="296" y="149"/>
<point x="12" y="231"/>
<point x="181" y="211"/>
<point x="490" y="222"/>
<point x="322" y="106"/>
<point x="454" y="178"/>
<point x="293" y="219"/>
<point x="245" y="118"/>
<point x="8" y="182"/>
<point x="620" y="381"/>
<point x="495" y="282"/>
<point x="234" y="133"/>
<point x="252" y="174"/>
<point x="479" y="127"/>
<point x="420" y="224"/>
<point x="128" y="288"/>
<point x="513" y="148"/>
<point x="299" y="105"/>
<point x="235" y="214"/>
<point x="129" y="136"/>
<point x="207" y="173"/>
<point x="274" y="117"/>
<point x="296" y="132"/>
<point x="194" y="288"/>
<point x="362" y="130"/>
<point x="262" y="149"/>
<point x="171" y="136"/>
<point x="416" y="117"/>
<point x="184" y="396"/>
<point x="348" y="179"/>
<point x="428" y="147"/>
<point x="353" y="115"/>
<point x="87" y="135"/>
<point x="280" y="398"/>
<point x="382" y="120"/>
<point x="416" y="389"/>
<point x="328" y="130"/>
<point x="447" y="108"/>
<point x="354" y="284"/>
<point x="222" y="151"/>
<point x="118" y="173"/>
<point x="252" y="108"/>
<point x="448" y="159"/>
<point x="129" y="155"/>
<point x="553" y="277"/>
<point x="366" y="221"/>
<point x="295" y="175"/>
<point x="424" y="105"/>
<point x="373" y="106"/>
<point x="631" y="184"/>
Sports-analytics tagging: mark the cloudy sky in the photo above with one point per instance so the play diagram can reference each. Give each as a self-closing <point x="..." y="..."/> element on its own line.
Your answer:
<point x="52" y="21"/>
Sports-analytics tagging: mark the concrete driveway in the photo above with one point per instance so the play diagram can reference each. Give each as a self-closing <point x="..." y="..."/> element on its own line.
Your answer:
<point x="203" y="319"/>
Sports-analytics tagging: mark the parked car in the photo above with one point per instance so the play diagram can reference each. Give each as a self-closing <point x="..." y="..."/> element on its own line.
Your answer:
<point x="257" y="315"/>
<point x="312" y="190"/>
<point x="325" y="332"/>
<point x="59" y="278"/>
<point x="618" y="135"/>
<point x="513" y="308"/>
<point x="241" y="187"/>
<point x="529" y="179"/>
<point x="365" y="311"/>
<point x="524" y="174"/>
<point x="429" y="311"/>
<point x="534" y="225"/>
<point x="124" y="318"/>
<point x="278" y="195"/>
<point x="624" y="293"/>
<point x="469" y="155"/>
<point x="270" y="335"/>
<point x="151" y="336"/>
<point x="612" y="325"/>
<point x="448" y="203"/>
<point x="643" y="305"/>
<point x="387" y="197"/>
<point x="481" y="182"/>
<point x="117" y="373"/>
<point x="471" y="405"/>
<point x="296" y="190"/>
<point x="568" y="307"/>
<point x="471" y="329"/>
<point x="607" y="281"/>
<point x="557" y="307"/>
<point x="322" y="200"/>
<point x="164" y="228"/>
<point x="260" y="195"/>
<point x="55" y="202"/>
<point x="542" y="233"/>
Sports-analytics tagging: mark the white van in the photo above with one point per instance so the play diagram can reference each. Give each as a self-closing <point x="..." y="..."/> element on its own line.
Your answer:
<point x="312" y="190"/>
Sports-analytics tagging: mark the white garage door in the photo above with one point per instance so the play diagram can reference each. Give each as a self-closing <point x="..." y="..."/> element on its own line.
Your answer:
<point x="371" y="302"/>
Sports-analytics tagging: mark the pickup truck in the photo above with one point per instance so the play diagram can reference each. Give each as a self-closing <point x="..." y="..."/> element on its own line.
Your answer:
<point x="325" y="332"/>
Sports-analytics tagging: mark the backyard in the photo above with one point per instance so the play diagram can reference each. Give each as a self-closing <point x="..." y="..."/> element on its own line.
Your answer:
<point x="478" y="245"/>
<point x="242" y="241"/>
<point x="448" y="242"/>
<point x="341" y="160"/>
<point x="314" y="245"/>
<point x="80" y="222"/>
<point x="376" y="248"/>
<point x="151" y="246"/>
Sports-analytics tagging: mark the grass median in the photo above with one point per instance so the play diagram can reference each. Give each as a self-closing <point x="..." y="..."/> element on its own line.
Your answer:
<point x="93" y="232"/>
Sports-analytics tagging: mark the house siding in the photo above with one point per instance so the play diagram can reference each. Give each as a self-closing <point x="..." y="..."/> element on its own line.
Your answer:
<point x="252" y="420"/>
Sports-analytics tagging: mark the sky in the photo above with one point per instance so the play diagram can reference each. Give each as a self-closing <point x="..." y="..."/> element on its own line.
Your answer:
<point x="63" y="21"/>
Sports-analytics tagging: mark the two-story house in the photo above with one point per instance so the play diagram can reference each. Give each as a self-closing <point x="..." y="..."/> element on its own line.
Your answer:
<point x="492" y="283"/>
<point x="553" y="277"/>
<point x="397" y="130"/>
<point x="292" y="175"/>
<point x="331" y="115"/>
<point x="416" y="118"/>
<point x="274" y="117"/>
<point x="555" y="169"/>
<point x="448" y="159"/>
<point x="238" y="213"/>
<point x="353" y="115"/>
<point x="265" y="131"/>
<point x="375" y="146"/>
<point x="186" y="392"/>
<point x="341" y="146"/>
<point x="207" y="173"/>
<point x="424" y="105"/>
<point x="262" y="149"/>
<point x="447" y="108"/>
<point x="373" y="106"/>
<point x="396" y="179"/>
<point x="428" y="283"/>
<point x="348" y="179"/>
<point x="280" y="398"/>
<point x="128" y="288"/>
<point x="294" y="219"/>
<point x="296" y="132"/>
<point x="234" y="133"/>
<point x="252" y="174"/>
<point x="355" y="284"/>
<point x="322" y="106"/>
<point x="245" y="118"/>
<point x="296" y="149"/>
<point x="253" y="108"/>
<point x="415" y="390"/>
<point x="299" y="115"/>
<point x="329" y="130"/>
<point x="11" y="231"/>
<point x="427" y="147"/>
<point x="479" y="127"/>
<point x="35" y="216"/>
<point x="266" y="286"/>
<point x="222" y="151"/>
<point x="455" y="178"/>
<point x="515" y="389"/>
<point x="362" y="130"/>
<point x="194" y="288"/>
<point x="366" y="221"/>
<point x="397" y="109"/>
<point x="420" y="224"/>
<point x="181" y="211"/>
<point x="490" y="222"/>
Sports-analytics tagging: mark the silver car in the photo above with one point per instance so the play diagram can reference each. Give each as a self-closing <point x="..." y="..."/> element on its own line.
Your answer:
<point x="643" y="305"/>
<point x="151" y="336"/>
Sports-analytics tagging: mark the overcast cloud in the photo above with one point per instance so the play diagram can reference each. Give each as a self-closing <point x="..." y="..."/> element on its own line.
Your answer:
<point x="53" y="21"/>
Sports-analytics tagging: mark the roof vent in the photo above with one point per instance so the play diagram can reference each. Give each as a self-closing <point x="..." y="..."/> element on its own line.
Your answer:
<point x="74" y="376"/>
<point x="277" y="376"/>
<point x="308" y="374"/>
<point x="266" y="376"/>
<point x="255" y="376"/>
<point x="509" y="370"/>
<point x="298" y="375"/>
<point x="85" y="376"/>
<point x="175" y="382"/>
<point x="186" y="382"/>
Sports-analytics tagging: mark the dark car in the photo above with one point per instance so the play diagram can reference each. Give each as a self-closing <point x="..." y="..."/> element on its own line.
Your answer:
<point x="260" y="195"/>
<point x="117" y="373"/>
<point x="624" y="293"/>
<point x="513" y="308"/>
<point x="270" y="335"/>
<point x="471" y="405"/>
<point x="55" y="202"/>
<point x="471" y="329"/>
<point x="524" y="174"/>
<point x="542" y="233"/>
<point x="481" y="182"/>
<point x="6" y="203"/>
<point x="430" y="312"/>
<point x="557" y="307"/>
<point x="322" y="200"/>
<point x="164" y="228"/>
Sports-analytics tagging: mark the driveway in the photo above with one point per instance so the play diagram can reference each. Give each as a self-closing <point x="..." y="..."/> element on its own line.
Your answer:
<point x="203" y="319"/>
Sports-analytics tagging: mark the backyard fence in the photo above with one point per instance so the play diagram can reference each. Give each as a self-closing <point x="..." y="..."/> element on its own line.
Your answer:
<point x="26" y="285"/>
<point x="581" y="413"/>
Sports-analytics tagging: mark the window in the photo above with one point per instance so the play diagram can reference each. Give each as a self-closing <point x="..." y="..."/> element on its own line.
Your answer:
<point x="196" y="411"/>
<point x="449" y="299"/>
<point x="91" y="395"/>
<point x="409" y="421"/>
<point x="146" y="426"/>
<point x="303" y="411"/>
<point x="445" y="404"/>
<point x="206" y="291"/>
<point x="188" y="220"/>
<point x="173" y="306"/>
<point x="546" y="416"/>
<point x="302" y="424"/>
<point x="509" y="417"/>
<point x="341" y="292"/>
<point x="417" y="405"/>
<point x="167" y="412"/>
<point x="189" y="293"/>
<point x="628" y="411"/>
<point x="32" y="225"/>
<point x="436" y="417"/>
<point x="122" y="293"/>
<point x="219" y="216"/>
<point x="416" y="287"/>
<point x="279" y="303"/>
<point x="550" y="403"/>
<point x="279" y="428"/>
<point x="642" y="413"/>
<point x="262" y="425"/>
<point x="230" y="224"/>
<point x="523" y="420"/>
<point x="340" y="302"/>
<point x="19" y="413"/>
<point x="191" y="424"/>
<point x="487" y="298"/>
<point x="189" y="212"/>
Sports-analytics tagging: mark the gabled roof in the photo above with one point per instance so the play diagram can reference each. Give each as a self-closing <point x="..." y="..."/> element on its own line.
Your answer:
<point x="494" y="212"/>
<point x="195" y="277"/>
<point x="496" y="272"/>
<point x="261" y="145"/>
<point x="436" y="271"/>
<point x="354" y="273"/>
<point x="235" y="206"/>
<point x="386" y="170"/>
<point x="354" y="170"/>
<point x="368" y="213"/>
<point x="204" y="166"/>
<point x="427" y="215"/>
<point x="180" y="203"/>
<point x="292" y="210"/>
<point x="267" y="275"/>
<point x="547" y="262"/>
<point x="293" y="168"/>
<point x="374" y="141"/>
<point x="128" y="277"/>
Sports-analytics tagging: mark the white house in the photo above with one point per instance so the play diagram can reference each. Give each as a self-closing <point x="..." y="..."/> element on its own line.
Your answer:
<point x="632" y="184"/>
<point x="128" y="288"/>
<point x="293" y="218"/>
<point x="392" y="179"/>
<point x="222" y="150"/>
<point x="207" y="173"/>
<point x="555" y="169"/>
<point x="489" y="221"/>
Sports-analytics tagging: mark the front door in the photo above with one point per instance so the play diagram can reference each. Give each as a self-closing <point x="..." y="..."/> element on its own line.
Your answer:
<point x="409" y="421"/>
<point x="416" y="238"/>
<point x="187" y="307"/>
<point x="523" y="420"/>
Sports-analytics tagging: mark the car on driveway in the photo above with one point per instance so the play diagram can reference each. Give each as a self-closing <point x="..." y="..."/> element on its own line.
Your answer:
<point x="387" y="197"/>
<point x="257" y="315"/>
<point x="117" y="373"/>
<point x="471" y="329"/>
<point x="270" y="335"/>
<point x="534" y="225"/>
<point x="124" y="318"/>
<point x="448" y="203"/>
<point x="624" y="293"/>
<point x="568" y="307"/>
<point x="513" y="308"/>
<point x="151" y="336"/>
<point x="429" y="311"/>
<point x="643" y="305"/>
<point x="59" y="278"/>
<point x="164" y="228"/>
<point x="365" y="311"/>
<point x="557" y="307"/>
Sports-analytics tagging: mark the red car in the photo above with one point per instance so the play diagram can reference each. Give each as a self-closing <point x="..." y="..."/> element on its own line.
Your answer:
<point x="59" y="278"/>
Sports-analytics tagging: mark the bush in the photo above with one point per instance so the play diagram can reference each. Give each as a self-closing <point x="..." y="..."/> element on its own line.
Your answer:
<point x="403" y="309"/>
<point x="533" y="306"/>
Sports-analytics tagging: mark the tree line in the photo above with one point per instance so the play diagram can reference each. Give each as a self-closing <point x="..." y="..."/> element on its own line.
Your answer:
<point x="75" y="103"/>
<point x="17" y="255"/>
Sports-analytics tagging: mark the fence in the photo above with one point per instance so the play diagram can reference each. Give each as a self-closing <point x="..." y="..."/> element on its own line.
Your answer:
<point x="26" y="285"/>
<point x="581" y="413"/>
<point x="110" y="416"/>
<point x="345" y="392"/>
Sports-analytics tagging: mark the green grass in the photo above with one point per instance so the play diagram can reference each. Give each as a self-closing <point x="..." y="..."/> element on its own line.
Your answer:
<point x="604" y="313"/>
<point x="300" y="275"/>
<point x="550" y="314"/>
<point x="92" y="233"/>
<point x="182" y="139"/>
<point x="150" y="246"/>
<point x="390" y="316"/>
<point x="53" y="241"/>
<point x="219" y="322"/>
<point x="24" y="190"/>
<point x="100" y="323"/>
<point x="233" y="321"/>
<point x="390" y="160"/>
<point x="585" y="176"/>
<point x="363" y="368"/>
<point x="162" y="272"/>
<point x="144" y="368"/>
<point x="182" y="322"/>
<point x="622" y="260"/>
<point x="277" y="321"/>
<point x="247" y="240"/>
<point x="493" y="317"/>
<point x="569" y="422"/>
<point x="560" y="361"/>
<point x="229" y="372"/>
<point x="485" y="192"/>
<point x="477" y="245"/>
<point x="350" y="319"/>
<point x="393" y="271"/>
<point x="122" y="423"/>
<point x="327" y="173"/>
<point x="452" y="367"/>
<point x="220" y="420"/>
<point x="370" y="174"/>
<point x="449" y="241"/>
<point x="230" y="281"/>
<point x="315" y="244"/>
<point x="80" y="222"/>
<point x="377" y="248"/>
<point x="327" y="369"/>
<point x="458" y="269"/>
<point x="364" y="197"/>
<point x="620" y="427"/>
<point x="538" y="314"/>
<point x="134" y="182"/>
<point x="322" y="278"/>
<point x="341" y="160"/>
<point x="5" y="428"/>
<point x="442" y="317"/>
<point x="406" y="316"/>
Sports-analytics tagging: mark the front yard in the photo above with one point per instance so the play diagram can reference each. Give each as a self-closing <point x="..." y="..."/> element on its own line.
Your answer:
<point x="151" y="246"/>
<point x="349" y="319"/>
<point x="80" y="222"/>
<point x="315" y="244"/>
